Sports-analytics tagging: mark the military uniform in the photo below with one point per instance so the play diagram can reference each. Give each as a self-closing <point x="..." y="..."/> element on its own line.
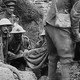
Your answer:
<point x="75" y="19"/>
<point x="60" y="44"/>
<point x="22" y="45"/>
<point x="37" y="58"/>
<point x="16" y="47"/>
<point x="4" y="24"/>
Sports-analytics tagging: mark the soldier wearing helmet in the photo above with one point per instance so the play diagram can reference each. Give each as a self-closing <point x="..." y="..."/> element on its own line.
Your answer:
<point x="5" y="26"/>
<point x="40" y="68"/>
<point x="16" y="46"/>
<point x="5" y="23"/>
<point x="17" y="29"/>
<point x="42" y="39"/>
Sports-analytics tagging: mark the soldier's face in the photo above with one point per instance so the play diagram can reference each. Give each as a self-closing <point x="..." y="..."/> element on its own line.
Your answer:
<point x="18" y="35"/>
<point x="6" y="29"/>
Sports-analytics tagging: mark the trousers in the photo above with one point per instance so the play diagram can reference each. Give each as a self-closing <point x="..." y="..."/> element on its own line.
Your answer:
<point x="60" y="47"/>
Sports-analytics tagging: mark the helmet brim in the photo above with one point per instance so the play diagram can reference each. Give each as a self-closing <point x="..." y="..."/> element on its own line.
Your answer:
<point x="17" y="32"/>
<point x="6" y="25"/>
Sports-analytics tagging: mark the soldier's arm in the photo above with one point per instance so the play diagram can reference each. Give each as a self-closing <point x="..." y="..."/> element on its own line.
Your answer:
<point x="75" y="17"/>
<point x="11" y="55"/>
<point x="33" y="51"/>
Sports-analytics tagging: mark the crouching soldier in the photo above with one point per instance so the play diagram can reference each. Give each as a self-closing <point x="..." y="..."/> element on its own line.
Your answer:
<point x="16" y="46"/>
<point x="5" y="24"/>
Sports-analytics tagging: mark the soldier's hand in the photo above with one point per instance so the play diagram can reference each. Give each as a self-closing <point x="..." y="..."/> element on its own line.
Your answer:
<point x="11" y="55"/>
<point x="79" y="35"/>
<point x="78" y="39"/>
<point x="26" y="53"/>
<point x="21" y="52"/>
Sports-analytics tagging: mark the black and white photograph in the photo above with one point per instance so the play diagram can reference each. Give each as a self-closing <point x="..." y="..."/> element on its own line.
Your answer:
<point x="39" y="39"/>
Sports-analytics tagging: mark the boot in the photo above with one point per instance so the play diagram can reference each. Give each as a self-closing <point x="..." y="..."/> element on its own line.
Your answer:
<point x="66" y="65"/>
<point x="65" y="70"/>
<point x="52" y="67"/>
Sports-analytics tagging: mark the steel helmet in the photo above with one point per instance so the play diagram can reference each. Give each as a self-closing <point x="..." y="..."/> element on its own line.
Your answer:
<point x="43" y="33"/>
<point x="5" y="21"/>
<point x="7" y="1"/>
<point x="17" y="29"/>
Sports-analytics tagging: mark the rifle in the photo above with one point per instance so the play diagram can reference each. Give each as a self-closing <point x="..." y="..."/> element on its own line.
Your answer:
<point x="1" y="47"/>
<point x="5" y="42"/>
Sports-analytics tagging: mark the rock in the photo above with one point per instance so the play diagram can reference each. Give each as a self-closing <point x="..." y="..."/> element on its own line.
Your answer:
<point x="27" y="75"/>
<point x="6" y="74"/>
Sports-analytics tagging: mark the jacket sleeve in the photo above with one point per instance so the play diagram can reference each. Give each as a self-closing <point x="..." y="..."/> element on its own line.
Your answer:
<point x="75" y="17"/>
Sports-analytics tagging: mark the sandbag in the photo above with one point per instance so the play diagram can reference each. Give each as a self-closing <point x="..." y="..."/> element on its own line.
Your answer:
<point x="6" y="74"/>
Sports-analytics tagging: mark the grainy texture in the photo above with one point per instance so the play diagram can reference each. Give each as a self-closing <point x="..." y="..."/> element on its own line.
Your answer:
<point x="7" y="74"/>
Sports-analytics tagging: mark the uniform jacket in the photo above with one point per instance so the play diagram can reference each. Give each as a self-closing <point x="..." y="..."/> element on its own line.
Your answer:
<point x="15" y="47"/>
<point x="75" y="18"/>
<point x="62" y="6"/>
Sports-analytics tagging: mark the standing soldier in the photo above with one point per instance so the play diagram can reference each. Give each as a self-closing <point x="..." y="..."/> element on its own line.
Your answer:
<point x="60" y="45"/>
<point x="17" y="44"/>
<point x="75" y="19"/>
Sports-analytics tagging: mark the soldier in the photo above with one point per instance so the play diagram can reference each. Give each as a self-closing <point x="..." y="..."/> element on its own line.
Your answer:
<point x="41" y="41"/>
<point x="37" y="58"/>
<point x="44" y="68"/>
<point x="60" y="44"/>
<point x="16" y="46"/>
<point x="75" y="19"/>
<point x="5" y="27"/>
<point x="40" y="44"/>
